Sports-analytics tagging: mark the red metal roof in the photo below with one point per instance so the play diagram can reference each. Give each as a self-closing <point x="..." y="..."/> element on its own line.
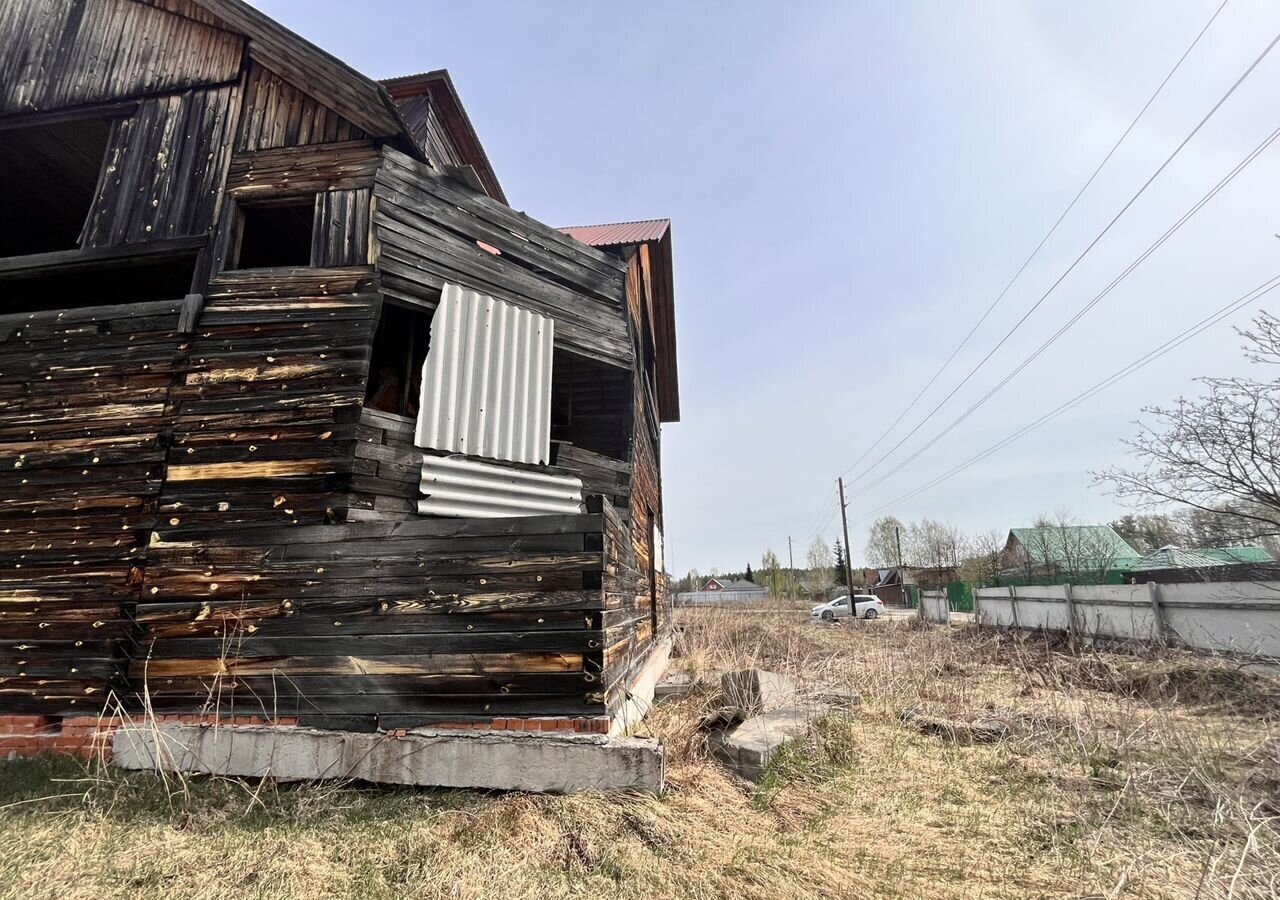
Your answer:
<point x="619" y="232"/>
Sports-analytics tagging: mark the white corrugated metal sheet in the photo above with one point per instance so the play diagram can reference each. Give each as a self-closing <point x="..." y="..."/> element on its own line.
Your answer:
<point x="468" y="488"/>
<point x="486" y="383"/>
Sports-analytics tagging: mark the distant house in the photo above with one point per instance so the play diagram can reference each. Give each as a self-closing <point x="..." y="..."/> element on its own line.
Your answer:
<point x="1082" y="552"/>
<point x="715" y="590"/>
<point x="1173" y="564"/>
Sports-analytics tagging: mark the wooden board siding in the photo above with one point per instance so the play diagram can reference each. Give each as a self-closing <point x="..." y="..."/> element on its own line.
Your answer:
<point x="423" y="119"/>
<point x="85" y="417"/>
<point x="399" y="623"/>
<point x="341" y="236"/>
<point x="63" y="53"/>
<point x="277" y="114"/>
<point x="426" y="230"/>
<point x="164" y="169"/>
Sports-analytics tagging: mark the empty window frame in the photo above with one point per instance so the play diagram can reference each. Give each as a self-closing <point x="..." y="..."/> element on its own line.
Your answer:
<point x="48" y="183"/>
<point x="399" y="349"/>
<point x="273" y="234"/>
<point x="591" y="405"/>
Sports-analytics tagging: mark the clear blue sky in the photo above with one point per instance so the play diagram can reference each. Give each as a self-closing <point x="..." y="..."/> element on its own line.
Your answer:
<point x="851" y="183"/>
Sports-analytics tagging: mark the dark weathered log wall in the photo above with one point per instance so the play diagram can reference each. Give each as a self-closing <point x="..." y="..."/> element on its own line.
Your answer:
<point x="86" y="414"/>
<point x="64" y="53"/>
<point x="264" y="431"/>
<point x="427" y="229"/>
<point x="390" y="624"/>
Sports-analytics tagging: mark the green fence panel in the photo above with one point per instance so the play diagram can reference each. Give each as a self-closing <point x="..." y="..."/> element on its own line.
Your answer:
<point x="960" y="596"/>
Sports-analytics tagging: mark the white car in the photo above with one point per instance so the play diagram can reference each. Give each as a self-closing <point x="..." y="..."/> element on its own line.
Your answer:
<point x="867" y="607"/>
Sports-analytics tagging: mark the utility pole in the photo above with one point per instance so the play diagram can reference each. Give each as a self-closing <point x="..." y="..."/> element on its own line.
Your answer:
<point x="902" y="582"/>
<point x="791" y="571"/>
<point x="844" y="520"/>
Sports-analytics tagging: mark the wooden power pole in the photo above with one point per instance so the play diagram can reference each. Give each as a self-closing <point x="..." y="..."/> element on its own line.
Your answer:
<point x="844" y="520"/>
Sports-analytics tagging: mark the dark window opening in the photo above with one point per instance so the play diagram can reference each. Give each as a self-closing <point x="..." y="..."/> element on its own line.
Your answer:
<point x="118" y="281"/>
<point x="48" y="183"/>
<point x="275" y="234"/>
<point x="399" y="350"/>
<point x="591" y="405"/>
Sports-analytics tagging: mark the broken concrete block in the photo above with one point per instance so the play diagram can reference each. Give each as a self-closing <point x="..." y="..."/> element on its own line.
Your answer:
<point x="748" y="747"/>
<point x="501" y="760"/>
<point x="756" y="690"/>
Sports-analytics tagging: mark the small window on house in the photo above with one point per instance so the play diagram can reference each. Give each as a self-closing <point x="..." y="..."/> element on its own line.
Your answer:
<point x="48" y="183"/>
<point x="399" y="349"/>
<point x="274" y="234"/>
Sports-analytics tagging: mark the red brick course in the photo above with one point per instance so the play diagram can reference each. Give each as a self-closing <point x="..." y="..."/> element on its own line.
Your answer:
<point x="89" y="737"/>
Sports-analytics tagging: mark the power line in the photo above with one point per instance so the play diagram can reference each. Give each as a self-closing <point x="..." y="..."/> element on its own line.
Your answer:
<point x="1173" y="343"/>
<point x="1213" y="192"/>
<point x="1043" y="297"/>
<point x="1044" y="240"/>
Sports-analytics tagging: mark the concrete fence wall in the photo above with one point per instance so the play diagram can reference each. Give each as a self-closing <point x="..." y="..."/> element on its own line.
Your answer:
<point x="1230" y="617"/>
<point x="935" y="607"/>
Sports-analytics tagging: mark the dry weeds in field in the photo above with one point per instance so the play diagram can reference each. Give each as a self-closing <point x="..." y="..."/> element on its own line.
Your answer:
<point x="1122" y="776"/>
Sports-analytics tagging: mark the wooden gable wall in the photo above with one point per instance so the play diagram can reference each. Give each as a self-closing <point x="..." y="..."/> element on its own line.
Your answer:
<point x="63" y="53"/>
<point x="277" y="114"/>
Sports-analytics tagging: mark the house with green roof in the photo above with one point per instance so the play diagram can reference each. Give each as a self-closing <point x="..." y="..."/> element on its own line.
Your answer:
<point x="1170" y="557"/>
<point x="1081" y="553"/>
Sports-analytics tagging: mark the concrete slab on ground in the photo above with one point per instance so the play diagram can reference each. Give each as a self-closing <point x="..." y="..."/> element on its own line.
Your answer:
<point x="749" y="747"/>
<point x="553" y="763"/>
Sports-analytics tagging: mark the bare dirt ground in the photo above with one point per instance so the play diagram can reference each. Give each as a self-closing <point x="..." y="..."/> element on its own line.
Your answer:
<point x="1152" y="775"/>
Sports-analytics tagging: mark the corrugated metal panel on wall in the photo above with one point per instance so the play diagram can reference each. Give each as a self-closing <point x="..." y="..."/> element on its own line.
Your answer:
<point x="486" y="383"/>
<point x="468" y="488"/>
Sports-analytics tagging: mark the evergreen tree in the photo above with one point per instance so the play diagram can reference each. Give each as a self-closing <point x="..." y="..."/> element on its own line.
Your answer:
<point x="840" y="573"/>
<point x="750" y="576"/>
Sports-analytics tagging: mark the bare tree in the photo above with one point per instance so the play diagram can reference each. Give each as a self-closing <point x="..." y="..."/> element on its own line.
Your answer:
<point x="935" y="545"/>
<point x="882" y="541"/>
<point x="818" y="576"/>
<point x="982" y="562"/>
<point x="1219" y="453"/>
<point x="772" y="574"/>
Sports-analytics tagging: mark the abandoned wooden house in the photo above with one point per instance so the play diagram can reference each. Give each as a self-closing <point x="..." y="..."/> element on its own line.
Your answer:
<point x="298" y="418"/>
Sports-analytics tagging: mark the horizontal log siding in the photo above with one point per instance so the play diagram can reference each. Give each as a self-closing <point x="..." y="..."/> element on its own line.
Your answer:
<point x="86" y="415"/>
<point x="427" y="228"/>
<point x="265" y="427"/>
<point x="395" y="623"/>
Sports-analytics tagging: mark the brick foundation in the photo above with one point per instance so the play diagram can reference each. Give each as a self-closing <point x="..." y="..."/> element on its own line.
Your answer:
<point x="89" y="737"/>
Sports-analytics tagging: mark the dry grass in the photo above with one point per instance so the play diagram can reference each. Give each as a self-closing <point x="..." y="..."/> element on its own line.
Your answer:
<point x="1122" y="776"/>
